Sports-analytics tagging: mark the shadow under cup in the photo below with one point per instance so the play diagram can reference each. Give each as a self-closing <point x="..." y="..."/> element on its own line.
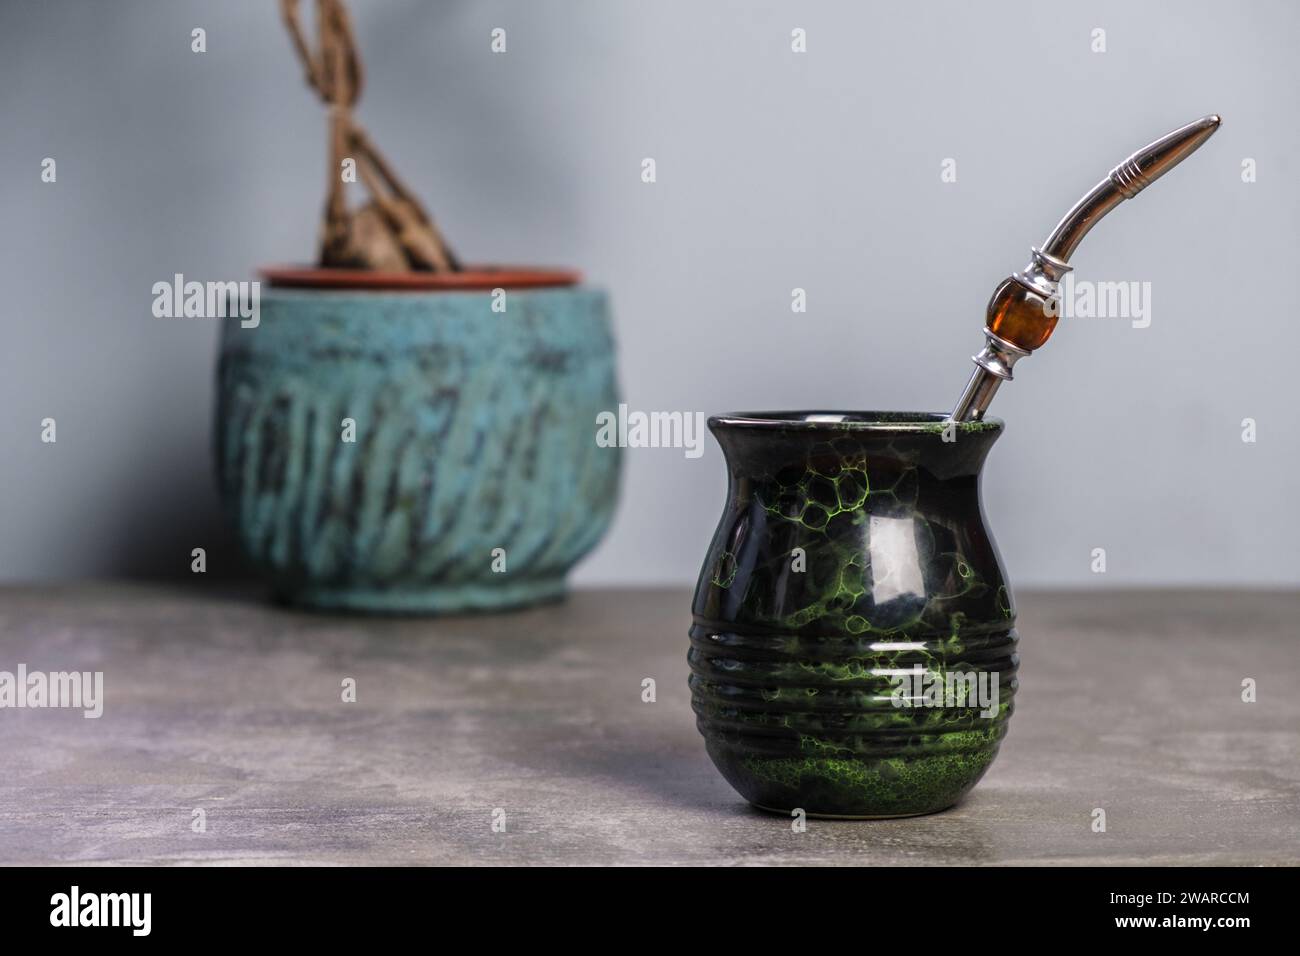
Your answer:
<point x="853" y="649"/>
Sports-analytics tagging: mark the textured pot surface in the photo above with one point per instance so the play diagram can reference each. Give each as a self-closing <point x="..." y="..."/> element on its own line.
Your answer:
<point x="849" y="553"/>
<point x="474" y="431"/>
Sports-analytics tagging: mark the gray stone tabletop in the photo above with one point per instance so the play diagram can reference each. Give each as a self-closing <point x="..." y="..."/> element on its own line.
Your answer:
<point x="215" y="701"/>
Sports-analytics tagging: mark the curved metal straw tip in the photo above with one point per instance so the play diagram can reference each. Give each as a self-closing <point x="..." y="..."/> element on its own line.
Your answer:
<point x="1125" y="181"/>
<point x="1154" y="160"/>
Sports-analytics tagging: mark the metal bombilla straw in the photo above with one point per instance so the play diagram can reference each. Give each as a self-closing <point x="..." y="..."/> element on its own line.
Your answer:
<point x="1024" y="309"/>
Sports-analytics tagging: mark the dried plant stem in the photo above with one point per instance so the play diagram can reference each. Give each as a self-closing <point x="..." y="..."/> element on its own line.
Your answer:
<point x="392" y="231"/>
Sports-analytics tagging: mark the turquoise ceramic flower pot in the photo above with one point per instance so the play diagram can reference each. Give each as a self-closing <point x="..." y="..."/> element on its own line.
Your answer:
<point x="417" y="451"/>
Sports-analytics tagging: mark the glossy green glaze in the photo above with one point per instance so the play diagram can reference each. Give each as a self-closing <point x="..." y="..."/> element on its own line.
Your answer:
<point x="474" y="431"/>
<point x="850" y="552"/>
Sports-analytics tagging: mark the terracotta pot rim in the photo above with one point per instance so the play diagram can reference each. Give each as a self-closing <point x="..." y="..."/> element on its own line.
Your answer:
<point x="472" y="279"/>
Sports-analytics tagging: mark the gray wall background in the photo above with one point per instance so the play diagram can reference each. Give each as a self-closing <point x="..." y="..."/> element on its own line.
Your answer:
<point x="775" y="170"/>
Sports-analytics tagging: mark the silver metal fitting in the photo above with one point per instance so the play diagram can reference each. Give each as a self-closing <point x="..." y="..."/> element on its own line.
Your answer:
<point x="995" y="361"/>
<point x="1043" y="274"/>
<point x="998" y="355"/>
